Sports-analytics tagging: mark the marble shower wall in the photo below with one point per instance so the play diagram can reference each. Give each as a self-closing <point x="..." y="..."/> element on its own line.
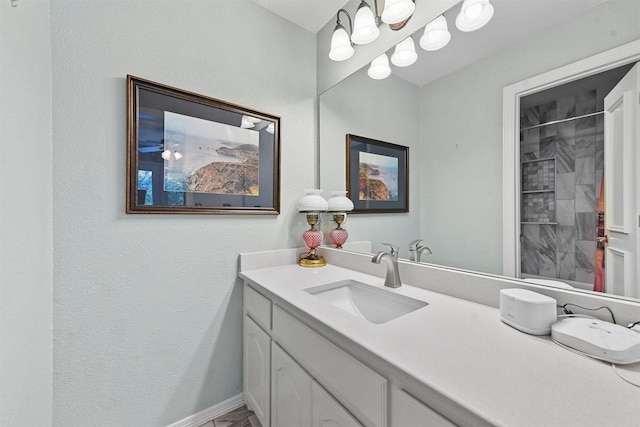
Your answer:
<point x="559" y="229"/>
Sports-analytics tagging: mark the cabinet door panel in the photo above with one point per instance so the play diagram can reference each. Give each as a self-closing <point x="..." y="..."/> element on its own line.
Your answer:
<point x="290" y="391"/>
<point x="257" y="370"/>
<point x="327" y="412"/>
<point x="360" y="389"/>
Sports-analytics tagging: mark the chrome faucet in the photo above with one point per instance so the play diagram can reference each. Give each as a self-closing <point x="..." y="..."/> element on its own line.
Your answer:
<point x="416" y="249"/>
<point x="392" y="278"/>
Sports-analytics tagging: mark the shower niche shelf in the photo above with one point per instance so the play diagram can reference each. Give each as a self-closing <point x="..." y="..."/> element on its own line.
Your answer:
<point x="538" y="191"/>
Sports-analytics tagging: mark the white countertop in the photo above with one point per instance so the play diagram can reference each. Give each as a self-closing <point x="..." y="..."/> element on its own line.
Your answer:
<point x="464" y="351"/>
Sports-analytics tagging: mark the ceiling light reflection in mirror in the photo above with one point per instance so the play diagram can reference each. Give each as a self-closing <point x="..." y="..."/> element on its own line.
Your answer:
<point x="473" y="15"/>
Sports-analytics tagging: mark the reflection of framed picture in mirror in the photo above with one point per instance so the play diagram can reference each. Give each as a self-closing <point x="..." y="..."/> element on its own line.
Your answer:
<point x="188" y="153"/>
<point x="377" y="175"/>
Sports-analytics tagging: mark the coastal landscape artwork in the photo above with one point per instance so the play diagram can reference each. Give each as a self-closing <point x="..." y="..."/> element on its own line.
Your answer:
<point x="377" y="175"/>
<point x="192" y="154"/>
<point x="216" y="158"/>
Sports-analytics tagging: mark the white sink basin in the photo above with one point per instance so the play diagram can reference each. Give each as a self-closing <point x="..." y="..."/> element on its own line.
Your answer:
<point x="373" y="304"/>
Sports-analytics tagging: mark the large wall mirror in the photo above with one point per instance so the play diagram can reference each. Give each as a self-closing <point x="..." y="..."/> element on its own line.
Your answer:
<point x="449" y="112"/>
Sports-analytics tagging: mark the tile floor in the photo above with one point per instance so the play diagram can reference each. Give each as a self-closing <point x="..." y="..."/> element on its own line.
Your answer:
<point x="241" y="417"/>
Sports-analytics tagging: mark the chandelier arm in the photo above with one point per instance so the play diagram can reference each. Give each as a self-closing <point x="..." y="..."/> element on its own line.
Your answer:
<point x="348" y="17"/>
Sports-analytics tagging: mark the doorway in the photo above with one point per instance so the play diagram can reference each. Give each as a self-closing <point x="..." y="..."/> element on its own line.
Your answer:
<point x="561" y="172"/>
<point x="512" y="95"/>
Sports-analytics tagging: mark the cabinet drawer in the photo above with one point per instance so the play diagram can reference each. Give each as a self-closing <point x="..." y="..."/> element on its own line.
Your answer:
<point x="359" y="389"/>
<point x="407" y="411"/>
<point x="258" y="307"/>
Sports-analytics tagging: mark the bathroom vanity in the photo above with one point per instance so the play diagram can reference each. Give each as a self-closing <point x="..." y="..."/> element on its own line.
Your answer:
<point x="432" y="359"/>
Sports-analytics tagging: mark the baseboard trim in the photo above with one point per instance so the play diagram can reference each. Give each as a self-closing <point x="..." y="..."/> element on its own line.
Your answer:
<point x="202" y="417"/>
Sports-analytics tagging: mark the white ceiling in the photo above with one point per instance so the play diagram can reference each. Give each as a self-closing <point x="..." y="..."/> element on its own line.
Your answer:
<point x="311" y="15"/>
<point x="513" y="20"/>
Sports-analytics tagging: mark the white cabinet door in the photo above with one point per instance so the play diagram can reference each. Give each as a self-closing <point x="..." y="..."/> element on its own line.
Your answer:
<point x="257" y="370"/>
<point x="290" y="391"/>
<point x="327" y="412"/>
<point x="406" y="411"/>
<point x="356" y="386"/>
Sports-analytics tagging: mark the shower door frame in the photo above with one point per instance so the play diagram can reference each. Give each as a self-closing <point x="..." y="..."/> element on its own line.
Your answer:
<point x="511" y="95"/>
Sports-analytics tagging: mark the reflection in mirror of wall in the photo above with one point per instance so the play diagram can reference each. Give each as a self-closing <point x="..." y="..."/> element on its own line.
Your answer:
<point x="347" y="109"/>
<point x="454" y="127"/>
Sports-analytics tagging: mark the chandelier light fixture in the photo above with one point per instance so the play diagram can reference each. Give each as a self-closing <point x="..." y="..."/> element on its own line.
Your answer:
<point x="341" y="47"/>
<point x="396" y="11"/>
<point x="379" y="68"/>
<point x="404" y="53"/>
<point x="436" y="34"/>
<point x="365" y="25"/>
<point x="473" y="15"/>
<point x="166" y="155"/>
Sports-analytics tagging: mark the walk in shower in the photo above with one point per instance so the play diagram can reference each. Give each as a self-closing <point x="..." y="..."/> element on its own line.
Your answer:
<point x="561" y="171"/>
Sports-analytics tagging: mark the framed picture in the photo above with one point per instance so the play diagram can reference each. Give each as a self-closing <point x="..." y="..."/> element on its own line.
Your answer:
<point x="192" y="154"/>
<point x="377" y="175"/>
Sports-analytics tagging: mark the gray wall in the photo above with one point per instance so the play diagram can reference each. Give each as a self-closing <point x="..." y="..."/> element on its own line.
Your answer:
<point x="26" y="268"/>
<point x="461" y="133"/>
<point x="348" y="109"/>
<point x="147" y="308"/>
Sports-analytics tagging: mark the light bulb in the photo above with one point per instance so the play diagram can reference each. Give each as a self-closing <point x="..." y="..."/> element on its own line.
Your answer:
<point x="379" y="68"/>
<point x="166" y="154"/>
<point x="405" y="53"/>
<point x="436" y="34"/>
<point x="341" y="48"/>
<point x="473" y="11"/>
<point x="365" y="29"/>
<point x="397" y="11"/>
<point x="474" y="14"/>
<point x="177" y="155"/>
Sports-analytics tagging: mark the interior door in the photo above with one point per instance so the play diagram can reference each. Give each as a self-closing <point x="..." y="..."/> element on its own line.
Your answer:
<point x="621" y="185"/>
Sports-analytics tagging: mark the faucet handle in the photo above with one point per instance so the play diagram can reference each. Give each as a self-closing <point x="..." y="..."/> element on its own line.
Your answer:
<point x="414" y="245"/>
<point x="393" y="249"/>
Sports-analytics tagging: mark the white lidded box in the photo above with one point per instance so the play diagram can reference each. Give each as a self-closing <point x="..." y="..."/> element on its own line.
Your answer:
<point x="528" y="311"/>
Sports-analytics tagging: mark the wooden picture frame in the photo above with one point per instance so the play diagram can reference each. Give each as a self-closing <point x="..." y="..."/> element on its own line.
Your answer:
<point x="192" y="154"/>
<point x="377" y="175"/>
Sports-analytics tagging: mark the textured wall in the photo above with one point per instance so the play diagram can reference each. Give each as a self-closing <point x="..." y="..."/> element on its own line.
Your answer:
<point x="461" y="132"/>
<point x="147" y="308"/>
<point x="26" y="270"/>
